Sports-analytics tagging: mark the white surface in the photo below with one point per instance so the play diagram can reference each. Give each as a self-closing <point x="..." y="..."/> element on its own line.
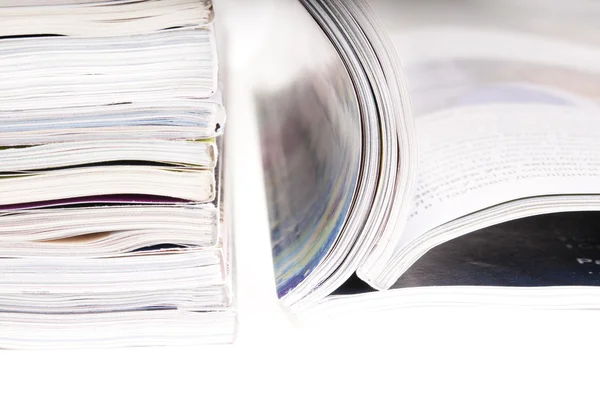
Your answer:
<point x="418" y="352"/>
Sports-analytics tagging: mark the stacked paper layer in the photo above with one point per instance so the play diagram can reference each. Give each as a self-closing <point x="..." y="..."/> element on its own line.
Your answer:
<point x="109" y="218"/>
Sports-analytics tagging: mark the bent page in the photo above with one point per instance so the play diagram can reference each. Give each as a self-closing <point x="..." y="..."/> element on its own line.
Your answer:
<point x="474" y="72"/>
<point x="499" y="117"/>
<point x="481" y="156"/>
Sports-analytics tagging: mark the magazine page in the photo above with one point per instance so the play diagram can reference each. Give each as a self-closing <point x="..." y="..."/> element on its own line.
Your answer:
<point x="311" y="141"/>
<point x="505" y="107"/>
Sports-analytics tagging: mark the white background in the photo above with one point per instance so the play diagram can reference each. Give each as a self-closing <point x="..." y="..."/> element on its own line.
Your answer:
<point x="412" y="352"/>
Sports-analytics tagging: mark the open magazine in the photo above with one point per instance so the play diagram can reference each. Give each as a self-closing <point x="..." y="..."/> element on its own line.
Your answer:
<point x="432" y="152"/>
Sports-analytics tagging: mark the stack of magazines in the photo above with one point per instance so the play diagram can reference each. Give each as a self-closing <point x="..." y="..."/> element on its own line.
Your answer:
<point x="111" y="229"/>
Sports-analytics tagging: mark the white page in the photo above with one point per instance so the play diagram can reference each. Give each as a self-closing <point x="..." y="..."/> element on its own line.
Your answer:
<point x="499" y="116"/>
<point x="477" y="157"/>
